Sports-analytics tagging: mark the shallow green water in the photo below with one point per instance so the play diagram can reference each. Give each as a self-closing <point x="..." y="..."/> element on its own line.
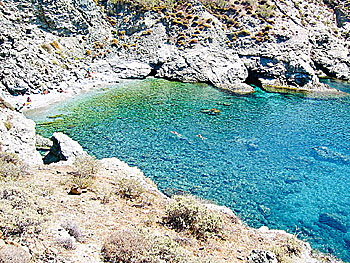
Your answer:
<point x="277" y="160"/>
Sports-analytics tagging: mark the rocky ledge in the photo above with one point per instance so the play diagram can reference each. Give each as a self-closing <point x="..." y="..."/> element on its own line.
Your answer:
<point x="280" y="46"/>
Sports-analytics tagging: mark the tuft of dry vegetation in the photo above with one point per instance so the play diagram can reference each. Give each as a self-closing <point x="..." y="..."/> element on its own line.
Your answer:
<point x="13" y="254"/>
<point x="137" y="245"/>
<point x="86" y="169"/>
<point x="289" y="249"/>
<point x="11" y="167"/>
<point x="5" y="105"/>
<point x="188" y="213"/>
<point x="129" y="188"/>
<point x="22" y="209"/>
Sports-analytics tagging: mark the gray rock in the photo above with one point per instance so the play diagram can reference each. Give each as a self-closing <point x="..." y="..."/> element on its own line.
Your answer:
<point x="262" y="256"/>
<point x="11" y="254"/>
<point x="63" y="149"/>
<point x="17" y="135"/>
<point x="223" y="69"/>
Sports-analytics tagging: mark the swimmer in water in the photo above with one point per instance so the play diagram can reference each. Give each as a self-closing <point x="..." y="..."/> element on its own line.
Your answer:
<point x="176" y="133"/>
<point x="200" y="136"/>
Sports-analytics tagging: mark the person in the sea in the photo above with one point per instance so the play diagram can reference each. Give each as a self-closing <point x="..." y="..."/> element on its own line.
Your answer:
<point x="176" y="133"/>
<point x="29" y="100"/>
<point x="200" y="136"/>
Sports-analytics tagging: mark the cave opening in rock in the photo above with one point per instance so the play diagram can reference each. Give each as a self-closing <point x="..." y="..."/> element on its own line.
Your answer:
<point x="253" y="79"/>
<point x="155" y="68"/>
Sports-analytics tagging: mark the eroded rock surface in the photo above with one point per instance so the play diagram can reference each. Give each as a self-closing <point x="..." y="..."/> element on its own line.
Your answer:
<point x="17" y="135"/>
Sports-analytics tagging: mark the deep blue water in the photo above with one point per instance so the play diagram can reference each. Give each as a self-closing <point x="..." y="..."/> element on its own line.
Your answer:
<point x="276" y="160"/>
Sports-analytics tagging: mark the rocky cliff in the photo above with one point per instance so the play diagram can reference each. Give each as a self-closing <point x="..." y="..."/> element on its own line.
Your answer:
<point x="279" y="45"/>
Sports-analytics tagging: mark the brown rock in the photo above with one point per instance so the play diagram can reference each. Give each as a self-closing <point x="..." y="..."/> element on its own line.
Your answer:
<point x="75" y="191"/>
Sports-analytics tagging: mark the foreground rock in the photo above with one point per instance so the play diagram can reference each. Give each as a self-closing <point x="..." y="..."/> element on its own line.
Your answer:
<point x="63" y="149"/>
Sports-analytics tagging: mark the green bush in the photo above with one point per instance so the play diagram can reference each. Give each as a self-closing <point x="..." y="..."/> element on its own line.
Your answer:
<point x="22" y="209"/>
<point x="136" y="245"/>
<point x="188" y="213"/>
<point x="86" y="169"/>
<point x="11" y="167"/>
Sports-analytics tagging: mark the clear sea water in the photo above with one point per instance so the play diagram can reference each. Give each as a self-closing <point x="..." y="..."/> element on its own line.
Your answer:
<point x="276" y="160"/>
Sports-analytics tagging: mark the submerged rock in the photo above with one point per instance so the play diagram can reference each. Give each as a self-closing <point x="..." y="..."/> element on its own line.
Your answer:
<point x="326" y="154"/>
<point x="332" y="221"/>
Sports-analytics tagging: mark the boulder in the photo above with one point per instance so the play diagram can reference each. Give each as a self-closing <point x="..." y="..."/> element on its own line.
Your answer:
<point x="63" y="149"/>
<point x="42" y="142"/>
<point x="262" y="256"/>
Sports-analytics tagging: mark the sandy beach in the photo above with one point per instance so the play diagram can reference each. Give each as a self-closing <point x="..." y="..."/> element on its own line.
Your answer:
<point x="28" y="102"/>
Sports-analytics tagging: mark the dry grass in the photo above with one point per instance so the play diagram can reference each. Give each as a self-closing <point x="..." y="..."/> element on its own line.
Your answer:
<point x="11" y="167"/>
<point x="139" y="245"/>
<point x="86" y="168"/>
<point x="22" y="209"/>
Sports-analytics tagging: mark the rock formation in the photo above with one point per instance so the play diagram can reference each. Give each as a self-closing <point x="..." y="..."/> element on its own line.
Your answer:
<point x="279" y="45"/>
<point x="63" y="149"/>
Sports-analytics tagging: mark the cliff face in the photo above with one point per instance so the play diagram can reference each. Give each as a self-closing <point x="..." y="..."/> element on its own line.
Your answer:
<point x="276" y="44"/>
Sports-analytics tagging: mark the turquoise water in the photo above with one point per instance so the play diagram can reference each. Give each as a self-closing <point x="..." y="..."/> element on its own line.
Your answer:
<point x="276" y="160"/>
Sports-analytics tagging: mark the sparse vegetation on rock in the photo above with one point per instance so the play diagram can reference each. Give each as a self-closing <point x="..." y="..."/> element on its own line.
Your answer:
<point x="86" y="167"/>
<point x="187" y="213"/>
<point x="138" y="245"/>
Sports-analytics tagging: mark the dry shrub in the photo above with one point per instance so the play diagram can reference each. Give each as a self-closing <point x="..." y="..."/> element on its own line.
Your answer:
<point x="22" y="209"/>
<point x="73" y="230"/>
<point x="136" y="245"/>
<point x="188" y="213"/>
<point x="11" y="167"/>
<point x="5" y="105"/>
<point x="86" y="167"/>
<point x="129" y="188"/>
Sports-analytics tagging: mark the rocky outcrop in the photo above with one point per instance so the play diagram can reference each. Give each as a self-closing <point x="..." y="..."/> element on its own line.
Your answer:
<point x="63" y="149"/>
<point x="17" y="135"/>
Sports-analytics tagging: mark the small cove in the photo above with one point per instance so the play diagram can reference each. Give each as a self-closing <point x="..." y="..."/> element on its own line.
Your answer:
<point x="276" y="160"/>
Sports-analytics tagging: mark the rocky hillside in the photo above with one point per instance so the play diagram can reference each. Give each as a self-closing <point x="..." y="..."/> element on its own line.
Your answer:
<point x="279" y="45"/>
